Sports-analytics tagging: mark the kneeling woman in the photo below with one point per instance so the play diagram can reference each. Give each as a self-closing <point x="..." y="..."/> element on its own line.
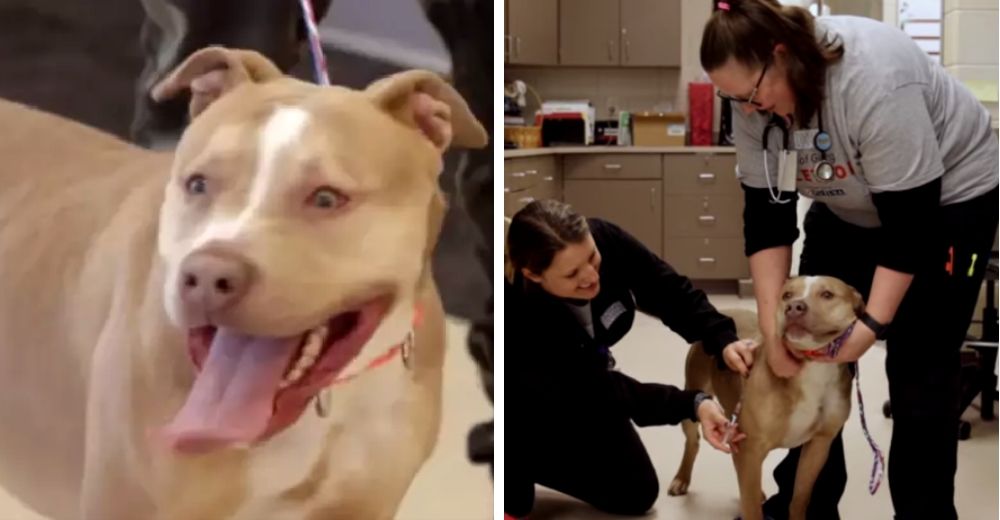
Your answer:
<point x="576" y="286"/>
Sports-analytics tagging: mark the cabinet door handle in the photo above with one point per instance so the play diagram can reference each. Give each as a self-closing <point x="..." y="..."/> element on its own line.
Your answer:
<point x="706" y="176"/>
<point x="526" y="200"/>
<point x="611" y="56"/>
<point x="707" y="219"/>
<point x="517" y="46"/>
<point x="706" y="260"/>
<point x="625" y="49"/>
<point x="506" y="190"/>
<point x="612" y="166"/>
<point x="531" y="172"/>
<point x="517" y="175"/>
<point x="549" y="178"/>
<point x="652" y="199"/>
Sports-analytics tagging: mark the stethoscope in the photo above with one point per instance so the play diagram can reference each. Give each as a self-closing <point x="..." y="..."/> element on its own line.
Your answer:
<point x="823" y="171"/>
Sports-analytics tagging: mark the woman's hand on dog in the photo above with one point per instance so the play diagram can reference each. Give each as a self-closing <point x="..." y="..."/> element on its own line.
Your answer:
<point x="739" y="355"/>
<point x="860" y="340"/>
<point x="781" y="361"/>
<point x="714" y="425"/>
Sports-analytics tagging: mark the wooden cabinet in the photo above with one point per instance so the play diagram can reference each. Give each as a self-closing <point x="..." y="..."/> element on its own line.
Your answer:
<point x="634" y="205"/>
<point x="530" y="32"/>
<point x="630" y="33"/>
<point x="528" y="179"/>
<point x="589" y="32"/>
<point x="624" y="188"/>
<point x="685" y="207"/>
<point x="651" y="33"/>
<point x="703" y="216"/>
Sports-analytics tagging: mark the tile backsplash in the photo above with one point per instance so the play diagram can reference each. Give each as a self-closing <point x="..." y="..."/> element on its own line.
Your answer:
<point x="608" y="89"/>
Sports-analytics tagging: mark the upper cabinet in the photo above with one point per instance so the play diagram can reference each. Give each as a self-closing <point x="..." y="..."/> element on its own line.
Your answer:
<point x="624" y="33"/>
<point x="531" y="32"/>
<point x="589" y="32"/>
<point x="650" y="33"/>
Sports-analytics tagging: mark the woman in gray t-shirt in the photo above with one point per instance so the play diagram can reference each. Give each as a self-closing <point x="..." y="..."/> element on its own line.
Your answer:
<point x="901" y="163"/>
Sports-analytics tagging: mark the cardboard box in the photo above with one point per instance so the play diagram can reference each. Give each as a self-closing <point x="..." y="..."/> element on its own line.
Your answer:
<point x="658" y="129"/>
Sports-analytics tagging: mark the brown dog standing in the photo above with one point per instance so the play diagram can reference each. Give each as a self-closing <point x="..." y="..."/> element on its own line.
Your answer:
<point x="169" y="322"/>
<point x="806" y="410"/>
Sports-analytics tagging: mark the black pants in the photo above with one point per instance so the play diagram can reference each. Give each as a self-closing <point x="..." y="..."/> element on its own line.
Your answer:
<point x="922" y="359"/>
<point x="590" y="451"/>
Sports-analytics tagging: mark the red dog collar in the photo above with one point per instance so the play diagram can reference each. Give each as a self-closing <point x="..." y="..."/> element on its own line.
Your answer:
<point x="403" y="348"/>
<point x="829" y="350"/>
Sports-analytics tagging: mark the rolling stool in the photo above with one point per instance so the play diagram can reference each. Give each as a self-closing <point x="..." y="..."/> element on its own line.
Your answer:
<point x="978" y="359"/>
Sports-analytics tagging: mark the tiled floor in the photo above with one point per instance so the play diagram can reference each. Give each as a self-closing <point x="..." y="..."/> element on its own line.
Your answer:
<point x="448" y="487"/>
<point x="650" y="352"/>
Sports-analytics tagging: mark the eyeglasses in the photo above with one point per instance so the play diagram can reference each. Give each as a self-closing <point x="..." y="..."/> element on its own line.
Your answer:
<point x="753" y="93"/>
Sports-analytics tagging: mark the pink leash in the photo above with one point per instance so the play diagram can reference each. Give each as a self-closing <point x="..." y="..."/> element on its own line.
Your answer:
<point x="319" y="60"/>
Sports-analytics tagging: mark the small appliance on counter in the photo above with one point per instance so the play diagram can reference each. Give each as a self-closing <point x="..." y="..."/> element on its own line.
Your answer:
<point x="567" y="123"/>
<point x="606" y="132"/>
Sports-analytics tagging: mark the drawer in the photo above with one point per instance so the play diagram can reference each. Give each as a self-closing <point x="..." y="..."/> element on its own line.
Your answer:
<point x="612" y="166"/>
<point x="514" y="200"/>
<point x="695" y="216"/>
<point x="527" y="171"/>
<point x="707" y="258"/>
<point x="700" y="174"/>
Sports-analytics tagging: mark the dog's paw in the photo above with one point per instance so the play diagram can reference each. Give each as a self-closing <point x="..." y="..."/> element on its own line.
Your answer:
<point x="678" y="487"/>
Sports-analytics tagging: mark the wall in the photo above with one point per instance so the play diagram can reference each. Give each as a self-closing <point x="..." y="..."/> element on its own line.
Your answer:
<point x="969" y="49"/>
<point x="609" y="89"/>
<point x="390" y="31"/>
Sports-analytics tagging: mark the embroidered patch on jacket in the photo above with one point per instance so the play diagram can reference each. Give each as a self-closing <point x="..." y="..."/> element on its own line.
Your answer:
<point x="611" y="314"/>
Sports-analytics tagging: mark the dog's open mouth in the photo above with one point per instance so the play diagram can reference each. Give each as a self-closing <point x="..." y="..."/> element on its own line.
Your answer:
<point x="248" y="388"/>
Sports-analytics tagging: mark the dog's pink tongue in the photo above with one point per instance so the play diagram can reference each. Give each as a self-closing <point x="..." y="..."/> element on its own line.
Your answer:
<point x="232" y="399"/>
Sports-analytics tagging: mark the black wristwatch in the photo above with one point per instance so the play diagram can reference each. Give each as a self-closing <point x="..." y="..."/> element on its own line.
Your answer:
<point x="698" y="399"/>
<point x="878" y="328"/>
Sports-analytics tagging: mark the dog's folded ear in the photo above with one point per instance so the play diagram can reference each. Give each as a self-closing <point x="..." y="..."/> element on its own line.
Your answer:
<point x="211" y="72"/>
<point x="858" y="302"/>
<point x="423" y="99"/>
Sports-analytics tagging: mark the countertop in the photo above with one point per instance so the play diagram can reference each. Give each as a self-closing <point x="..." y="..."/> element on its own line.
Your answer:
<point x="566" y="150"/>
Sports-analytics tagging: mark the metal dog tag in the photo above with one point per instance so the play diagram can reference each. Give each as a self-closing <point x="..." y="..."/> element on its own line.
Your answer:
<point x="323" y="403"/>
<point x="407" y="349"/>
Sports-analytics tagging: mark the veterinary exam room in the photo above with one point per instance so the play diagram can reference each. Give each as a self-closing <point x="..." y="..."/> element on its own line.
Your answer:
<point x="245" y="266"/>
<point x="750" y="259"/>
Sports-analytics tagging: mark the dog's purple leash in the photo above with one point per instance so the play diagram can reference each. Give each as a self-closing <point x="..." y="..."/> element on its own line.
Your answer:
<point x="878" y="466"/>
<point x="830" y="351"/>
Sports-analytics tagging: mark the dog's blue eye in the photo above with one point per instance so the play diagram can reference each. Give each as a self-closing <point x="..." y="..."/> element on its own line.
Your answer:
<point x="327" y="198"/>
<point x="196" y="184"/>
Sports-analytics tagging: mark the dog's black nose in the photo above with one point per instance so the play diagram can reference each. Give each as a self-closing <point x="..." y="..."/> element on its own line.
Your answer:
<point x="211" y="281"/>
<point x="796" y="308"/>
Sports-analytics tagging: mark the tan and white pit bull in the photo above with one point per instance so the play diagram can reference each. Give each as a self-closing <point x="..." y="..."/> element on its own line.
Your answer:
<point x="224" y="332"/>
<point x="806" y="410"/>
